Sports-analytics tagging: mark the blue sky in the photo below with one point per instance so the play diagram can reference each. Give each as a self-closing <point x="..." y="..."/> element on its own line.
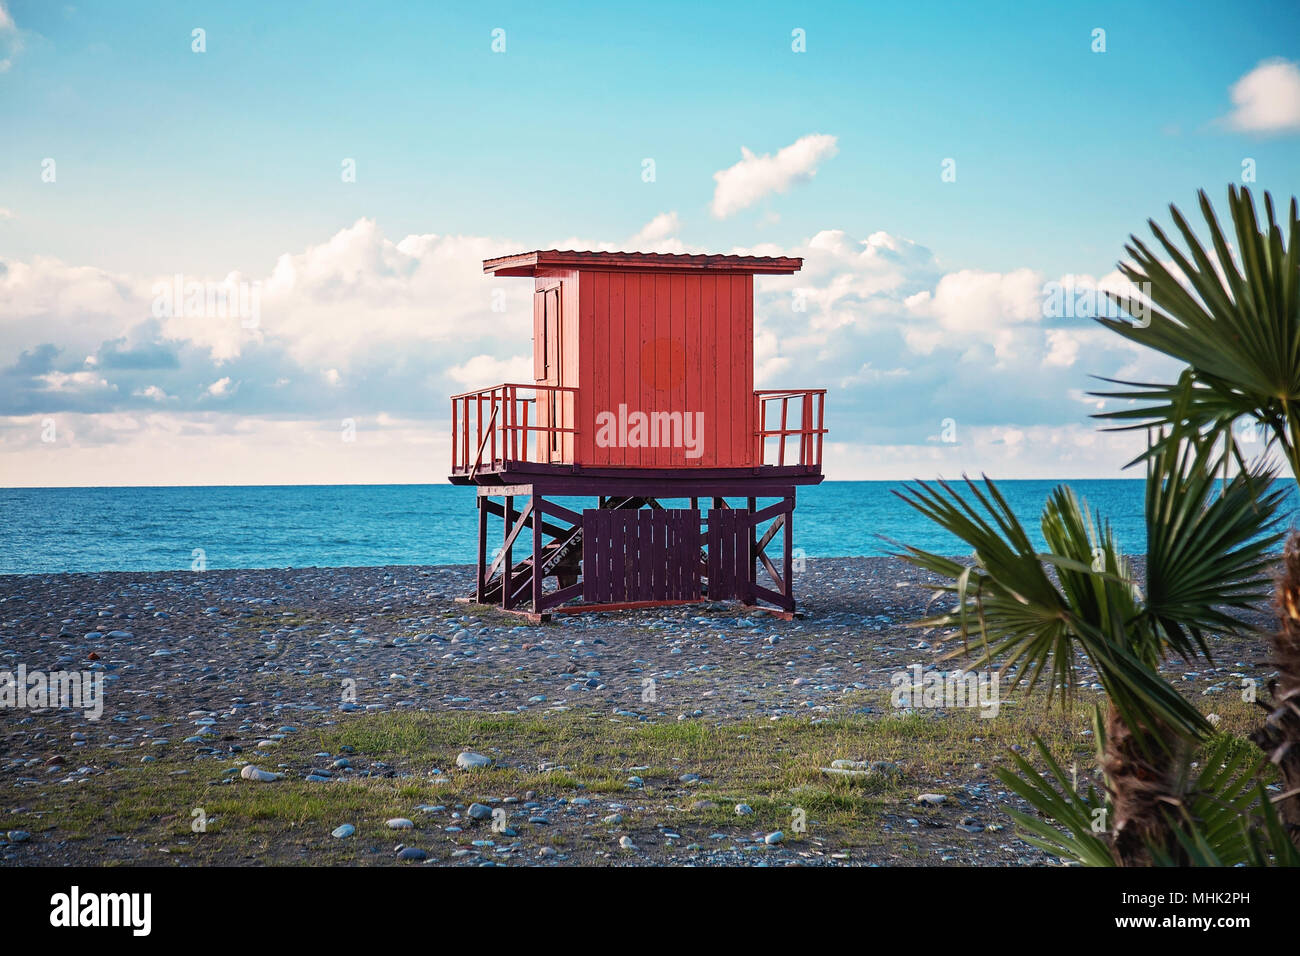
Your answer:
<point x="228" y="161"/>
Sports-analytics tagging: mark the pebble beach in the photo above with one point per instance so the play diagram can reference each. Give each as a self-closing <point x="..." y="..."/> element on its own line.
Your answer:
<point x="244" y="679"/>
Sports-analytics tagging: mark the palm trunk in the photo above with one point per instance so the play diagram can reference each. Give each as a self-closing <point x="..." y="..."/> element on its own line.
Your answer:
<point x="1279" y="738"/>
<point x="1143" y="787"/>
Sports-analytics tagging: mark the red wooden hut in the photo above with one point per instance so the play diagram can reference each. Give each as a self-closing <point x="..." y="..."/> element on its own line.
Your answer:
<point x="643" y="393"/>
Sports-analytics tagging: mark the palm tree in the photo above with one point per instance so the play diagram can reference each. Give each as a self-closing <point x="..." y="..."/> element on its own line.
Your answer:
<point x="1234" y="321"/>
<point x="1207" y="554"/>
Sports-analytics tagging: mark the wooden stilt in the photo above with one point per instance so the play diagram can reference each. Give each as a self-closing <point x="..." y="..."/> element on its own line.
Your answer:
<point x="482" y="551"/>
<point x="538" y="505"/>
<point x="507" y="543"/>
<point x="644" y="554"/>
<point x="751" y="597"/>
<point x="788" y="547"/>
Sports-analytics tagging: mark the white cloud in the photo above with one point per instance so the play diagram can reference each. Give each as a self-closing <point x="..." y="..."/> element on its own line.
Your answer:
<point x="358" y="298"/>
<point x="214" y="448"/>
<point x="6" y="214"/>
<point x="657" y="235"/>
<point x="1267" y="99"/>
<point x="74" y="381"/>
<point x="77" y="306"/>
<point x="361" y="295"/>
<point x="769" y="363"/>
<point x="394" y="326"/>
<point x="971" y="300"/>
<point x="220" y="388"/>
<point x="11" y="41"/>
<point x="661" y="227"/>
<point x="846" y="282"/>
<point x="754" y="177"/>
<point x="1039" y="451"/>
<point x="869" y="375"/>
<point x="151" y="392"/>
<point x="484" y="370"/>
<point x="1062" y="347"/>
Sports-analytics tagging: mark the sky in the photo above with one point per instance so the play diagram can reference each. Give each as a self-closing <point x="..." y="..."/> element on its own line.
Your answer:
<point x="941" y="168"/>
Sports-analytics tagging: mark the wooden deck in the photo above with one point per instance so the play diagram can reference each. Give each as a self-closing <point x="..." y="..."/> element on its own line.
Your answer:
<point x="514" y="432"/>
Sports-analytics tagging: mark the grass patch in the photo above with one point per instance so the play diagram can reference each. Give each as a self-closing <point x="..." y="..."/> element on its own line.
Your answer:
<point x="773" y="766"/>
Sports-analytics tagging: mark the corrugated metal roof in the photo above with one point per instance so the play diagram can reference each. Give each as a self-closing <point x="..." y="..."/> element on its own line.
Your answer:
<point x="527" y="263"/>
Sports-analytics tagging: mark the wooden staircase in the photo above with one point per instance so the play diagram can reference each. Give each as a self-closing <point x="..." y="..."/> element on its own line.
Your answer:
<point x="561" y="558"/>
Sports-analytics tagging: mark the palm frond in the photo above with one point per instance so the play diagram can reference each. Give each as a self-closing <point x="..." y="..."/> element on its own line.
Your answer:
<point x="1234" y="322"/>
<point x="1224" y="819"/>
<point x="1079" y="817"/>
<point x="1025" y="619"/>
<point x="1209" y="544"/>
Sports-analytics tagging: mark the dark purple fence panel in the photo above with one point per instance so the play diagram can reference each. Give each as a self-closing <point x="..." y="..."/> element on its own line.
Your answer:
<point x="730" y="564"/>
<point x="645" y="554"/>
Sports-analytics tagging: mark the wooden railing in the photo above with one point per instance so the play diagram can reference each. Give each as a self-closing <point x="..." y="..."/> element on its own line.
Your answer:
<point x="494" y="426"/>
<point x="801" y="418"/>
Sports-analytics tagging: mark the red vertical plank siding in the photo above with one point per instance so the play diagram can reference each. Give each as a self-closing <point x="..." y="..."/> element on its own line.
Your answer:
<point x="742" y="337"/>
<point x="659" y="342"/>
<point x="659" y="347"/>
<point x="709" y="368"/>
<point x="750" y="444"/>
<point x="677" y="365"/>
<point x="725" y="368"/>
<point x="622" y="286"/>
<point x="630" y="393"/>
<point x="645" y="401"/>
<point x="742" y="293"/>
<point x="585" y="421"/>
<point x="570" y="360"/>
<point x="650" y="321"/>
<point x="694" y="386"/>
<point x="599" y="333"/>
<point x="618" y="284"/>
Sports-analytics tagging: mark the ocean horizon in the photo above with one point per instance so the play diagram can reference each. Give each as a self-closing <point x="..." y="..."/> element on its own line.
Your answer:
<point x="168" y="528"/>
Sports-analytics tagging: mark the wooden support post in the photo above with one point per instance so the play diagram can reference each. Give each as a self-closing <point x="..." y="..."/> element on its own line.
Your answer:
<point x="507" y="542"/>
<point x="789" y="553"/>
<point x="482" y="551"/>
<point x="537" y="554"/>
<point x="658" y="556"/>
<point x="752" y="563"/>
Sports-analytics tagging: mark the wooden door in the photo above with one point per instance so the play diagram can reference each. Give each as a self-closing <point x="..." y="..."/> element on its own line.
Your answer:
<point x="546" y="369"/>
<point x="731" y="563"/>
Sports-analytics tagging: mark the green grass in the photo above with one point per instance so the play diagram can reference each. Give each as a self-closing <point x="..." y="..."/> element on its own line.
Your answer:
<point x="774" y="766"/>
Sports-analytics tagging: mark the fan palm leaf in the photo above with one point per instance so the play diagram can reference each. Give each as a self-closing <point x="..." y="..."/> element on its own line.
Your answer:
<point x="1234" y="322"/>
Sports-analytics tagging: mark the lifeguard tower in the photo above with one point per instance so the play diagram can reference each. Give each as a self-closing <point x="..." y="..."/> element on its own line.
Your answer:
<point x="643" y="395"/>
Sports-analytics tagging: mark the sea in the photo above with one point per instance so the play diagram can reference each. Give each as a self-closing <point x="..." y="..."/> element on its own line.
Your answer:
<point x="176" y="528"/>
